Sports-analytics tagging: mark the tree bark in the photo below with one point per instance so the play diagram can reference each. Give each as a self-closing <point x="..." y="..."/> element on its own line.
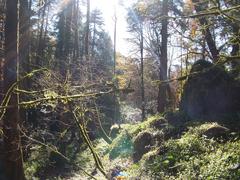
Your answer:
<point x="162" y="93"/>
<point x="12" y="143"/>
<point x="199" y="7"/>
<point x="2" y="44"/>
<point x="142" y="72"/>
<point x="235" y="49"/>
<point x="87" y="31"/>
<point x="76" y="30"/>
<point x="40" y="49"/>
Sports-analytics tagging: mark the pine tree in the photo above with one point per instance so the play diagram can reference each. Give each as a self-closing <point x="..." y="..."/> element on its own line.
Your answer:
<point x="12" y="141"/>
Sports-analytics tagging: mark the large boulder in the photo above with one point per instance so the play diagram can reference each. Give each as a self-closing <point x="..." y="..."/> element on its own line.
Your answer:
<point x="216" y="132"/>
<point x="159" y="123"/>
<point x="141" y="145"/>
<point x="210" y="92"/>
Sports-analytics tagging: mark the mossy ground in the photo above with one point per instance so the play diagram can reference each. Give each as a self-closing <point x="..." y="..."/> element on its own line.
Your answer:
<point x="190" y="156"/>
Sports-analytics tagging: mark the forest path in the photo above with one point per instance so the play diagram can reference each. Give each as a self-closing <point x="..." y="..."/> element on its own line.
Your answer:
<point x="113" y="167"/>
<point x="116" y="165"/>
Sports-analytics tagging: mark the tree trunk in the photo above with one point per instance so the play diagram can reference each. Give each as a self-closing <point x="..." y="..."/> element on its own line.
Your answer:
<point x="142" y="73"/>
<point x="235" y="49"/>
<point x="76" y="30"/>
<point x="40" y="49"/>
<point x="87" y="31"/>
<point x="201" y="6"/>
<point x="2" y="44"/>
<point x="114" y="65"/>
<point x="93" y="37"/>
<point x="12" y="143"/>
<point x="24" y="42"/>
<point x="162" y="93"/>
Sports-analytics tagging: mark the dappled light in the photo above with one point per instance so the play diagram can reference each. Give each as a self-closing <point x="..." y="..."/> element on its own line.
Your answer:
<point x="119" y="89"/>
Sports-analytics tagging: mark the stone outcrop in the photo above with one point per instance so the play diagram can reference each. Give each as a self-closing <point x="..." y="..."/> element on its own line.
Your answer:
<point x="210" y="92"/>
<point x="141" y="145"/>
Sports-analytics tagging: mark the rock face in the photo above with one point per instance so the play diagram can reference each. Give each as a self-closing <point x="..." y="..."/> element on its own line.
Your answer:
<point x="141" y="145"/>
<point x="114" y="131"/>
<point x="159" y="123"/>
<point x="216" y="132"/>
<point x="210" y="92"/>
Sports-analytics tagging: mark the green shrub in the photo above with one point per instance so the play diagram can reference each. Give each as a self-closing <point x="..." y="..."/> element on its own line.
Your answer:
<point x="195" y="157"/>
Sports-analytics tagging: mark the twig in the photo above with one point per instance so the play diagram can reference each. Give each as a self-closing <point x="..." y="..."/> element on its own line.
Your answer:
<point x="69" y="97"/>
<point x="87" y="140"/>
<point x="105" y="136"/>
<point x="216" y="12"/>
<point x="54" y="150"/>
<point x="8" y="95"/>
<point x="227" y="59"/>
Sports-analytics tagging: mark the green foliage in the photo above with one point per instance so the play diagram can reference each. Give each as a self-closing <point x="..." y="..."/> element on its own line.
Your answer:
<point x="135" y="129"/>
<point x="37" y="161"/>
<point x="122" y="146"/>
<point x="109" y="108"/>
<point x="193" y="156"/>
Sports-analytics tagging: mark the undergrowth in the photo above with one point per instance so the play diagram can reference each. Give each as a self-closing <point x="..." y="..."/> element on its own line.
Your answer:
<point x="191" y="155"/>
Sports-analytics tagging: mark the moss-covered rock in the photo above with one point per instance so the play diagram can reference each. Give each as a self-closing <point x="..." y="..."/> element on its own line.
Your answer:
<point x="158" y="123"/>
<point x="176" y="124"/>
<point x="210" y="92"/>
<point x="215" y="131"/>
<point x="193" y="156"/>
<point x="141" y="145"/>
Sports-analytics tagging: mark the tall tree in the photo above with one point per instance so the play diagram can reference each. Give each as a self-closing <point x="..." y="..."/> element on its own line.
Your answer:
<point x="65" y="38"/>
<point x="200" y="6"/>
<point x="2" y="42"/>
<point x="41" y="43"/>
<point x="136" y="18"/>
<point x="162" y="95"/>
<point x="235" y="36"/>
<point x="12" y="142"/>
<point x="142" y="71"/>
<point x="87" y="31"/>
<point x="115" y="39"/>
<point x="76" y="12"/>
<point x="24" y="34"/>
<point x="96" y="27"/>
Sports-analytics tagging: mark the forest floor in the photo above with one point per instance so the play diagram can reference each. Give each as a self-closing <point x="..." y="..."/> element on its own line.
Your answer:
<point x="86" y="161"/>
<point x="199" y="150"/>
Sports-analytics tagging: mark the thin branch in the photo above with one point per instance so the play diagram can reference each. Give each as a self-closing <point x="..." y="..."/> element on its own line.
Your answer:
<point x="54" y="149"/>
<point x="29" y="92"/>
<point x="69" y="97"/>
<point x="89" y="143"/>
<point x="8" y="95"/>
<point x="210" y="13"/>
<point x="219" y="63"/>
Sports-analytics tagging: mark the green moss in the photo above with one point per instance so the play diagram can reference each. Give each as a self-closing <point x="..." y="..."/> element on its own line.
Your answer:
<point x="133" y="130"/>
<point x="195" y="157"/>
<point x="201" y="128"/>
<point x="122" y="146"/>
<point x="37" y="161"/>
<point x="187" y="156"/>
